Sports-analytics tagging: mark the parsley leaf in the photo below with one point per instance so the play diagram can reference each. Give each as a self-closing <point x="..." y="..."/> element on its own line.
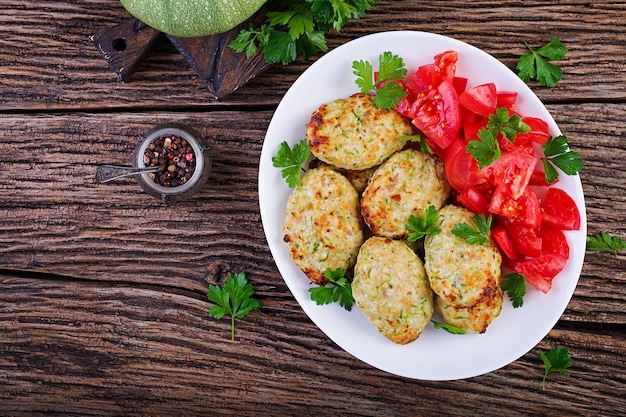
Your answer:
<point x="558" y="154"/>
<point x="340" y="289"/>
<point x="535" y="66"/>
<point x="509" y="127"/>
<point x="388" y="91"/>
<point x="422" y="226"/>
<point x="418" y="138"/>
<point x="515" y="286"/>
<point x="605" y="242"/>
<point x="486" y="150"/>
<point x="555" y="360"/>
<point x="448" y="327"/>
<point x="291" y="161"/>
<point x="296" y="28"/>
<point x="234" y="299"/>
<point x="471" y="235"/>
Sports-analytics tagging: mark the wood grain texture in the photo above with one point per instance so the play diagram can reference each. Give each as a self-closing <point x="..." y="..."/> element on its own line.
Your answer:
<point x="103" y="306"/>
<point x="56" y="66"/>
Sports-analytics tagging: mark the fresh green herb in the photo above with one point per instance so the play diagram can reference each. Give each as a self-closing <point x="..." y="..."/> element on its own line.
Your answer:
<point x="509" y="127"/>
<point x="391" y="69"/>
<point x="536" y="66"/>
<point x="339" y="289"/>
<point x="291" y="161"/>
<point x="485" y="150"/>
<point x="422" y="226"/>
<point x="605" y="242"/>
<point x="557" y="153"/>
<point x="448" y="327"/>
<point x="515" y="286"/>
<point x="418" y="138"/>
<point x="297" y="28"/>
<point x="555" y="360"/>
<point x="234" y="299"/>
<point x="471" y="235"/>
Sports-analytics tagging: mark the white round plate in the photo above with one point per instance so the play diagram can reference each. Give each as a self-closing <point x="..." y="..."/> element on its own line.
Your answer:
<point x="436" y="354"/>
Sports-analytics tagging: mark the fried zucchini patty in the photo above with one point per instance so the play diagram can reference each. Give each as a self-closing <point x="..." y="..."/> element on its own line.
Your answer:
<point x="391" y="289"/>
<point x="353" y="134"/>
<point x="322" y="226"/>
<point x="404" y="185"/>
<point x="461" y="273"/>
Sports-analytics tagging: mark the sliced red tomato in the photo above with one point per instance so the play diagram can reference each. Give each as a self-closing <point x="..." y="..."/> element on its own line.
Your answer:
<point x="481" y="99"/>
<point x="471" y="128"/>
<point x="553" y="242"/>
<point x="539" y="179"/>
<point x="446" y="62"/>
<point x="507" y="99"/>
<point x="525" y="210"/>
<point x="504" y="241"/>
<point x="560" y="210"/>
<point x="460" y="84"/>
<point x="521" y="146"/>
<point x="512" y="171"/>
<point x="439" y="116"/>
<point x="461" y="167"/>
<point x="474" y="201"/>
<point x="539" y="131"/>
<point x="527" y="240"/>
<point x="540" y="271"/>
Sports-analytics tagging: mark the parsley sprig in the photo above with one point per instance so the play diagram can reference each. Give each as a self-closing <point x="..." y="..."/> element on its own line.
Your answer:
<point x="339" y="289"/>
<point x="422" y="226"/>
<point x="388" y="90"/>
<point x="297" y="28"/>
<point x="486" y="149"/>
<point x="604" y="241"/>
<point x="478" y="236"/>
<point x="291" y="161"/>
<point x="234" y="299"/>
<point x="536" y="65"/>
<point x="509" y="126"/>
<point x="556" y="359"/>
<point x="514" y="285"/>
<point x="558" y="154"/>
<point x="448" y="327"/>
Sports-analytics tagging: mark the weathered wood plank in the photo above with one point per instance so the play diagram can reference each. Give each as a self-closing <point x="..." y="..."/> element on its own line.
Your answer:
<point x="56" y="66"/>
<point x="123" y="349"/>
<point x="56" y="220"/>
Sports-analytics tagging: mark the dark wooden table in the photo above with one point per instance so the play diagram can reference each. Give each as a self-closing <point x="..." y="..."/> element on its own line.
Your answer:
<point x="103" y="290"/>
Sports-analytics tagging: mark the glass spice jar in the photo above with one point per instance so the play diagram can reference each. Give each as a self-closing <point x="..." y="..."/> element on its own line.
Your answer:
<point x="184" y="157"/>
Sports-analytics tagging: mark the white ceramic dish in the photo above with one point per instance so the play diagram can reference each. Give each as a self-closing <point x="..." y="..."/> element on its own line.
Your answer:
<point x="436" y="354"/>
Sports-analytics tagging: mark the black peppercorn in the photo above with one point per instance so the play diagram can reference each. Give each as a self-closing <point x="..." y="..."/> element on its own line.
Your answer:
<point x="176" y="156"/>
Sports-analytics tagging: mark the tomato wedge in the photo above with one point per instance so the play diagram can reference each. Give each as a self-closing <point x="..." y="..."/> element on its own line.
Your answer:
<point x="481" y="99"/>
<point x="540" y="271"/>
<point x="539" y="131"/>
<point x="459" y="83"/>
<point x="446" y="62"/>
<point x="560" y="210"/>
<point x="527" y="240"/>
<point x="439" y="116"/>
<point x="512" y="171"/>
<point x="507" y="99"/>
<point x="553" y="242"/>
<point x="461" y="167"/>
<point x="504" y="241"/>
<point x="539" y="179"/>
<point x="524" y="210"/>
<point x="474" y="201"/>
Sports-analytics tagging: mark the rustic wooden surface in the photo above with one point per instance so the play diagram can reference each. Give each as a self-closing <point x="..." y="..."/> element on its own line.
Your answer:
<point x="103" y="307"/>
